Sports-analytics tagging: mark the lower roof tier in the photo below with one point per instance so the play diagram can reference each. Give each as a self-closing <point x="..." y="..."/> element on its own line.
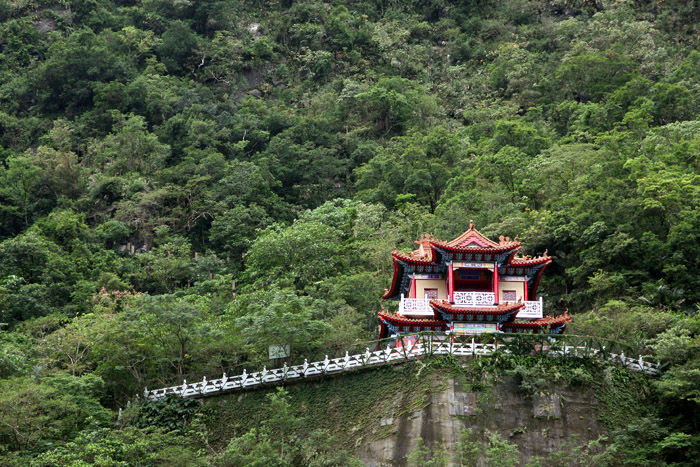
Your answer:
<point x="500" y="313"/>
<point x="548" y="324"/>
<point x="401" y="324"/>
<point x="393" y="323"/>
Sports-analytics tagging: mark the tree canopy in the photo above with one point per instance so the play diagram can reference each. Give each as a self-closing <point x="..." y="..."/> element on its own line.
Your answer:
<point x="184" y="183"/>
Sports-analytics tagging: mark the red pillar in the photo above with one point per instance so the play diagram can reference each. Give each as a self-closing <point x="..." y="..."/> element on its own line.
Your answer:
<point x="450" y="283"/>
<point x="495" y="281"/>
<point x="412" y="288"/>
<point x="525" y="298"/>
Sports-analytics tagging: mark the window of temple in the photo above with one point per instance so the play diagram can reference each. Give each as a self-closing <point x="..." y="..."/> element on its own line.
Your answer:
<point x="431" y="293"/>
<point x="473" y="280"/>
<point x="469" y="275"/>
<point x="509" y="296"/>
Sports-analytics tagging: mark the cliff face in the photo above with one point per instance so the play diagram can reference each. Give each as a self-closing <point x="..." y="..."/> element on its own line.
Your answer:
<point x="464" y="411"/>
<point x="539" y="425"/>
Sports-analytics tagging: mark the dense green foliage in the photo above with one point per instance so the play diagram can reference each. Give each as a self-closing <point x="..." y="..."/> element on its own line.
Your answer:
<point x="184" y="183"/>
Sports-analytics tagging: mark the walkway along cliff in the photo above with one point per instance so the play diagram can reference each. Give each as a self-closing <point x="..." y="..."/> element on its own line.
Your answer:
<point x="424" y="345"/>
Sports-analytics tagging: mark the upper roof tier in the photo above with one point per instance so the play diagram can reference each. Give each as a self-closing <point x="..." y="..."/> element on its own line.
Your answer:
<point x="471" y="241"/>
<point x="528" y="261"/>
<point x="433" y="255"/>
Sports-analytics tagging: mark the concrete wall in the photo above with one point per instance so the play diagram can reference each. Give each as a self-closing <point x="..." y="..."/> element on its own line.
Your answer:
<point x="519" y="288"/>
<point x="422" y="284"/>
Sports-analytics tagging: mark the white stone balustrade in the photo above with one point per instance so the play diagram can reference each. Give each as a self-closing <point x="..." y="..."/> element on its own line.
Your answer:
<point x="380" y="357"/>
<point x="418" y="307"/>
<point x="474" y="298"/>
<point x="532" y="310"/>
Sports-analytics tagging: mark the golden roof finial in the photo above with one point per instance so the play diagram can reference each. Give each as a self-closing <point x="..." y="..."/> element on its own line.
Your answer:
<point x="471" y="224"/>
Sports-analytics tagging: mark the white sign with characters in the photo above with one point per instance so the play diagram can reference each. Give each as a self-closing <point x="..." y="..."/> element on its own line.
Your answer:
<point x="427" y="276"/>
<point x="278" y="351"/>
<point x="468" y="329"/>
<point x="460" y="264"/>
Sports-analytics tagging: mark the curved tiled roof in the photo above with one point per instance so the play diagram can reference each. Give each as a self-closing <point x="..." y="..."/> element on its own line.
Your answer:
<point x="404" y="320"/>
<point x="540" y="323"/>
<point x="412" y="257"/>
<point x="474" y="241"/>
<point x="391" y="292"/>
<point x="471" y="241"/>
<point x="472" y="236"/>
<point x="423" y="255"/>
<point x="466" y="249"/>
<point x="503" y="308"/>
<point x="528" y="261"/>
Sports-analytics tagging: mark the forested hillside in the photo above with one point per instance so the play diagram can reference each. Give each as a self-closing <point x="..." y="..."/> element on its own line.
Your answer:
<point x="183" y="183"/>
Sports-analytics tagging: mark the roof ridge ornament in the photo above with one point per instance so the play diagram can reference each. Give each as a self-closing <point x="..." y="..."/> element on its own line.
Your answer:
<point x="471" y="224"/>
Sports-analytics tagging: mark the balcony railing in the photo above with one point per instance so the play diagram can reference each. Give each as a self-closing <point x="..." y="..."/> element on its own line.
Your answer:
<point x="420" y="307"/>
<point x="415" y="307"/>
<point x="474" y="298"/>
<point x="532" y="310"/>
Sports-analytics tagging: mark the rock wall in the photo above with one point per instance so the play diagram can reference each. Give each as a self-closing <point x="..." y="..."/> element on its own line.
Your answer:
<point x="539" y="425"/>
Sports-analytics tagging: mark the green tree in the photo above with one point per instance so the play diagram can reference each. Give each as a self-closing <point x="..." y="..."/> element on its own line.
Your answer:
<point x="127" y="446"/>
<point x="590" y="76"/>
<point x="130" y="147"/>
<point x="298" y="255"/>
<point x="419" y="165"/>
<point x="36" y="414"/>
<point x="396" y="103"/>
<point x="18" y="182"/>
<point x="423" y="456"/>
<point x="280" y="317"/>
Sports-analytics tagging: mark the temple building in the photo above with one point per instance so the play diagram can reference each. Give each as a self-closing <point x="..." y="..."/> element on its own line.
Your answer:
<point x="467" y="286"/>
